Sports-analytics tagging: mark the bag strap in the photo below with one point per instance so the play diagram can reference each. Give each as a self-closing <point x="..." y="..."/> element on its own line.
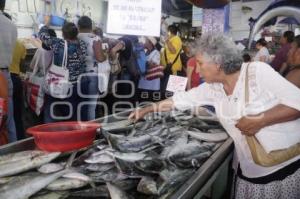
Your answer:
<point x="177" y="56"/>
<point x="37" y="59"/>
<point x="247" y="96"/>
<point x="65" y="57"/>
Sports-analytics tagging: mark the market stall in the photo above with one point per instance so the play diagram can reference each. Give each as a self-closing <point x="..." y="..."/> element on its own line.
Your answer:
<point x="204" y="179"/>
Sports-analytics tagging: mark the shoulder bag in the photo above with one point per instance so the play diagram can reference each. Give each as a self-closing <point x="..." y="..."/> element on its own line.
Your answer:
<point x="259" y="155"/>
<point x="57" y="78"/>
<point x="168" y="69"/>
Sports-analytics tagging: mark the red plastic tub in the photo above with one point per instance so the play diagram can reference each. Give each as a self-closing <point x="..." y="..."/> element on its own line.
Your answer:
<point x="64" y="136"/>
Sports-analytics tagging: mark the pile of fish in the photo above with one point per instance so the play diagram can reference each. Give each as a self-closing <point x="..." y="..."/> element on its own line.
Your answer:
<point x="148" y="159"/>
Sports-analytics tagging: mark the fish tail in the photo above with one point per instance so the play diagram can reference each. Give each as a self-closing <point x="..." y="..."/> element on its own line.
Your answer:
<point x="71" y="160"/>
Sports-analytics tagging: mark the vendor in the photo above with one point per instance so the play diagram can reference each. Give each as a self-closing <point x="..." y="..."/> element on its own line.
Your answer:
<point x="271" y="96"/>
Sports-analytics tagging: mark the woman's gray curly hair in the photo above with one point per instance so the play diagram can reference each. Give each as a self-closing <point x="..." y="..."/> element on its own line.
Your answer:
<point x="220" y="50"/>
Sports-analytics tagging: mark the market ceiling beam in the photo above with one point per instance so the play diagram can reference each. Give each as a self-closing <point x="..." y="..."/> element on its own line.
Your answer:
<point x="208" y="3"/>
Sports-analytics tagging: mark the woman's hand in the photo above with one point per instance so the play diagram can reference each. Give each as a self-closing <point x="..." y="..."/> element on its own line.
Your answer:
<point x="250" y="125"/>
<point x="138" y="114"/>
<point x="162" y="106"/>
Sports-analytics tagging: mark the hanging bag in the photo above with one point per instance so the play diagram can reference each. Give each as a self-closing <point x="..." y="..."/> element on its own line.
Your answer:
<point x="57" y="78"/>
<point x="3" y="110"/>
<point x="103" y="75"/>
<point x="34" y="86"/>
<point x="168" y="69"/>
<point x="259" y="154"/>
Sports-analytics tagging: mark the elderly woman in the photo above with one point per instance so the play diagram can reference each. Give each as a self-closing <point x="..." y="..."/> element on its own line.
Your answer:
<point x="271" y="96"/>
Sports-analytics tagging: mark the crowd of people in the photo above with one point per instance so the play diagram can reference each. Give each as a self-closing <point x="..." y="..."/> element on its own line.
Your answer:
<point x="218" y="74"/>
<point x="286" y="59"/>
<point x="104" y="69"/>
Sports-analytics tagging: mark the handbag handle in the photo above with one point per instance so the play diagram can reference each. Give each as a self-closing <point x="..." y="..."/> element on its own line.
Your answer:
<point x="247" y="96"/>
<point x="65" y="57"/>
<point x="35" y="67"/>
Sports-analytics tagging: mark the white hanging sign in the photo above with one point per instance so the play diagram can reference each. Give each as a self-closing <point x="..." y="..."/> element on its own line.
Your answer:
<point x="134" y="17"/>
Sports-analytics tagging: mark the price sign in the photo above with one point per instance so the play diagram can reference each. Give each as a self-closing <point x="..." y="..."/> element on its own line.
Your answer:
<point x="134" y="17"/>
<point x="176" y="83"/>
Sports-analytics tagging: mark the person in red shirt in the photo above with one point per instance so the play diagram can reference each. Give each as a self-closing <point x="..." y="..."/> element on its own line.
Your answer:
<point x="193" y="75"/>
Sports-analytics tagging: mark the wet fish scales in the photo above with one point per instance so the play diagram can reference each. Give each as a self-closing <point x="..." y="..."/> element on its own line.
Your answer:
<point x="147" y="186"/>
<point x="98" y="192"/>
<point x="116" y="192"/>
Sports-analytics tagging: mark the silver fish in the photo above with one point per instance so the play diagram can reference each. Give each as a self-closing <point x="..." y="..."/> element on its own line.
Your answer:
<point x="50" y="168"/>
<point x="78" y="176"/>
<point x="24" y="188"/>
<point x="108" y="176"/>
<point x="25" y="164"/>
<point x="12" y="157"/>
<point x="134" y="144"/>
<point x="147" y="186"/>
<point x="127" y="156"/>
<point x="116" y="125"/>
<point x="178" y="141"/>
<point x="102" y="151"/>
<point x="173" y="179"/>
<point x="104" y="158"/>
<point x="52" y="195"/>
<point x="189" y="149"/>
<point x="127" y="168"/>
<point x="98" y="192"/>
<point x="194" y="160"/>
<point x="150" y="165"/>
<point x="117" y="193"/>
<point x="209" y="137"/>
<point x="63" y="184"/>
<point x="127" y="184"/>
<point x="99" y="167"/>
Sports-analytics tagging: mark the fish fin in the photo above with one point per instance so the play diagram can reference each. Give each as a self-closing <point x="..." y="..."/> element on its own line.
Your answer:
<point x="158" y="140"/>
<point x="71" y="159"/>
<point x="195" y="163"/>
<point x="93" y="185"/>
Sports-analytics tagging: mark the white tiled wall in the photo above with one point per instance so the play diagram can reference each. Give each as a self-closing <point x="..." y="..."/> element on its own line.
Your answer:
<point x="239" y="27"/>
<point x="24" y="12"/>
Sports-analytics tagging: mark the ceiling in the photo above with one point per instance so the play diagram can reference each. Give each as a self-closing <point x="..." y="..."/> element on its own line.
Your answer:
<point x="183" y="8"/>
<point x="178" y="8"/>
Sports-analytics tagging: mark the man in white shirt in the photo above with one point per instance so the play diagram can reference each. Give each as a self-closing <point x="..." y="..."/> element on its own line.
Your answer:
<point x="8" y="38"/>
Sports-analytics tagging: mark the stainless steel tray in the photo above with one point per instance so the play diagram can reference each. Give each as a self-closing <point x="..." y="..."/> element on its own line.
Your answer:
<point x="188" y="190"/>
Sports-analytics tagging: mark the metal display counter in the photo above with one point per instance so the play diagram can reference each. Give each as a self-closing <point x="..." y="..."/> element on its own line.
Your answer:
<point x="215" y="169"/>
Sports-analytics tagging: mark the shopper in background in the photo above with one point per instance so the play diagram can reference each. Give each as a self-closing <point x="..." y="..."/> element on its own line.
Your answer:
<point x="95" y="54"/>
<point x="170" y="57"/>
<point x="272" y="98"/>
<point x="3" y="107"/>
<point x="75" y="64"/>
<point x="246" y="58"/>
<point x="43" y="56"/>
<point x="291" y="70"/>
<point x="149" y="88"/>
<point x="18" y="58"/>
<point x="185" y="55"/>
<point x="281" y="55"/>
<point x="8" y="38"/>
<point x="193" y="74"/>
<point x="263" y="54"/>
